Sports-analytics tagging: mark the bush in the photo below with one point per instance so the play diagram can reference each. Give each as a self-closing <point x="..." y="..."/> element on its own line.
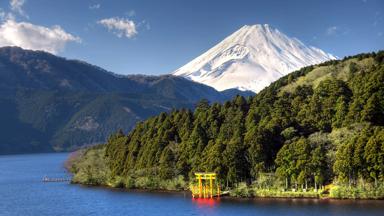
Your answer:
<point x="146" y="182"/>
<point x="177" y="183"/>
<point x="242" y="190"/>
<point x="91" y="169"/>
<point x="117" y="182"/>
<point x="129" y="182"/>
<point x="360" y="191"/>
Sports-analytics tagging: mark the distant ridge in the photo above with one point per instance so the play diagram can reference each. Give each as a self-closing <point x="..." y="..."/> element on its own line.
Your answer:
<point x="60" y="104"/>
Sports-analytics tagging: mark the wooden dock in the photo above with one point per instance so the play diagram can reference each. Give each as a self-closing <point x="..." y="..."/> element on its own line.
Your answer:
<point x="47" y="179"/>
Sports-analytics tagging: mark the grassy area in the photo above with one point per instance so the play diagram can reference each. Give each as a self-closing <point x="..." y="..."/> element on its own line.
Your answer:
<point x="338" y="191"/>
<point x="287" y="194"/>
<point x="320" y="73"/>
<point x="244" y="191"/>
<point x="360" y="191"/>
<point x="148" y="182"/>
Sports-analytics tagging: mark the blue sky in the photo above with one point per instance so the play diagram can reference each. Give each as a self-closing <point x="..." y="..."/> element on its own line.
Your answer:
<point x="157" y="37"/>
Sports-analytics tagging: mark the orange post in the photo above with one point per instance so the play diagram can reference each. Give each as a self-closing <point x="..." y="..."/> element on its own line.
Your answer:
<point x="210" y="185"/>
<point x="203" y="193"/>
<point x="200" y="186"/>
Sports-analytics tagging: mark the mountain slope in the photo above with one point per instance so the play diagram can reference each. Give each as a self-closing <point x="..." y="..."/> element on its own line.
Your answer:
<point x="59" y="104"/>
<point x="250" y="59"/>
<point x="319" y="125"/>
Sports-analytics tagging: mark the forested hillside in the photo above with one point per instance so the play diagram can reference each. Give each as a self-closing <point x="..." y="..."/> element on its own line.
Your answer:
<point x="322" y="124"/>
<point x="59" y="104"/>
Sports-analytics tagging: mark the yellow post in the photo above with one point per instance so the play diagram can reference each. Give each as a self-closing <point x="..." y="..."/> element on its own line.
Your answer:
<point x="204" y="191"/>
<point x="200" y="186"/>
<point x="210" y="185"/>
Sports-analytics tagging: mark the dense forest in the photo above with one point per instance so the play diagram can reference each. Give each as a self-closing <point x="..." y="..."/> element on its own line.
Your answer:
<point x="320" y="125"/>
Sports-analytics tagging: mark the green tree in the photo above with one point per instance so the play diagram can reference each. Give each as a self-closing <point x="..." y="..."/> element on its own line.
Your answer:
<point x="319" y="162"/>
<point x="167" y="164"/>
<point x="373" y="110"/>
<point x="256" y="154"/>
<point x="302" y="154"/>
<point x="341" y="111"/>
<point x="343" y="166"/>
<point x="285" y="162"/>
<point x="374" y="155"/>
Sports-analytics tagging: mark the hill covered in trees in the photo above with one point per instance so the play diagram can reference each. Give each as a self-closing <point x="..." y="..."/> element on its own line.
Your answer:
<point x="321" y="125"/>
<point x="59" y="104"/>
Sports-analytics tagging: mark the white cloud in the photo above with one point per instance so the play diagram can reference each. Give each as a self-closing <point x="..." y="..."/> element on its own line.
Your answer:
<point x="17" y="6"/>
<point x="119" y="26"/>
<point x="35" y="37"/>
<point x="95" y="6"/>
<point x="332" y="30"/>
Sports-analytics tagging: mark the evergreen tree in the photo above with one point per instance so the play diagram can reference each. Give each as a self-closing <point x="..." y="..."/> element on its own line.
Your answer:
<point x="166" y="164"/>
<point x="374" y="110"/>
<point x="374" y="155"/>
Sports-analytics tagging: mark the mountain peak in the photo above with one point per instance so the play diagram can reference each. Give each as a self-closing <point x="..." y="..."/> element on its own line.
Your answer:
<point x="257" y="27"/>
<point x="251" y="58"/>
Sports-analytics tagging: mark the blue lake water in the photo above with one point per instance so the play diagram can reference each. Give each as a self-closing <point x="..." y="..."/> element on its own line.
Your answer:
<point x="22" y="192"/>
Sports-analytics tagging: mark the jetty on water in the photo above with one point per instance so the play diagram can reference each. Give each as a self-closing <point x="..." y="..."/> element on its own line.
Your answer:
<point x="47" y="179"/>
<point x="206" y="185"/>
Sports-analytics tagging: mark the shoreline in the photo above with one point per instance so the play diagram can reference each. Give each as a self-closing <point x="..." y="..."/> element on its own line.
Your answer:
<point x="177" y="185"/>
<point x="226" y="196"/>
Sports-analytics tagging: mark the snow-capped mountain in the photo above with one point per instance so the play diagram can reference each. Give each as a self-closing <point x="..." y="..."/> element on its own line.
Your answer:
<point x="250" y="59"/>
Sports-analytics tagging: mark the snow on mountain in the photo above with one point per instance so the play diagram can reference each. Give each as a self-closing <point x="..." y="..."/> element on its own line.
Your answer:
<point x="250" y="59"/>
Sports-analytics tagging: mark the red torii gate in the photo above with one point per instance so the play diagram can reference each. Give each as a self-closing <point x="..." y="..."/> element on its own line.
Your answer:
<point x="204" y="190"/>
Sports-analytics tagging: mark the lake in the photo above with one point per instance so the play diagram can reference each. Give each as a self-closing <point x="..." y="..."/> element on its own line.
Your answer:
<point x="22" y="192"/>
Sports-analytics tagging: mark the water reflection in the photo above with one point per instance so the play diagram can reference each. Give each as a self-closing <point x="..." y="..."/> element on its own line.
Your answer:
<point x="203" y="202"/>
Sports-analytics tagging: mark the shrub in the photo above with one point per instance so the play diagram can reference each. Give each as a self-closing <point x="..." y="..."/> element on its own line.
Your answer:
<point x="242" y="190"/>
<point x="360" y="191"/>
